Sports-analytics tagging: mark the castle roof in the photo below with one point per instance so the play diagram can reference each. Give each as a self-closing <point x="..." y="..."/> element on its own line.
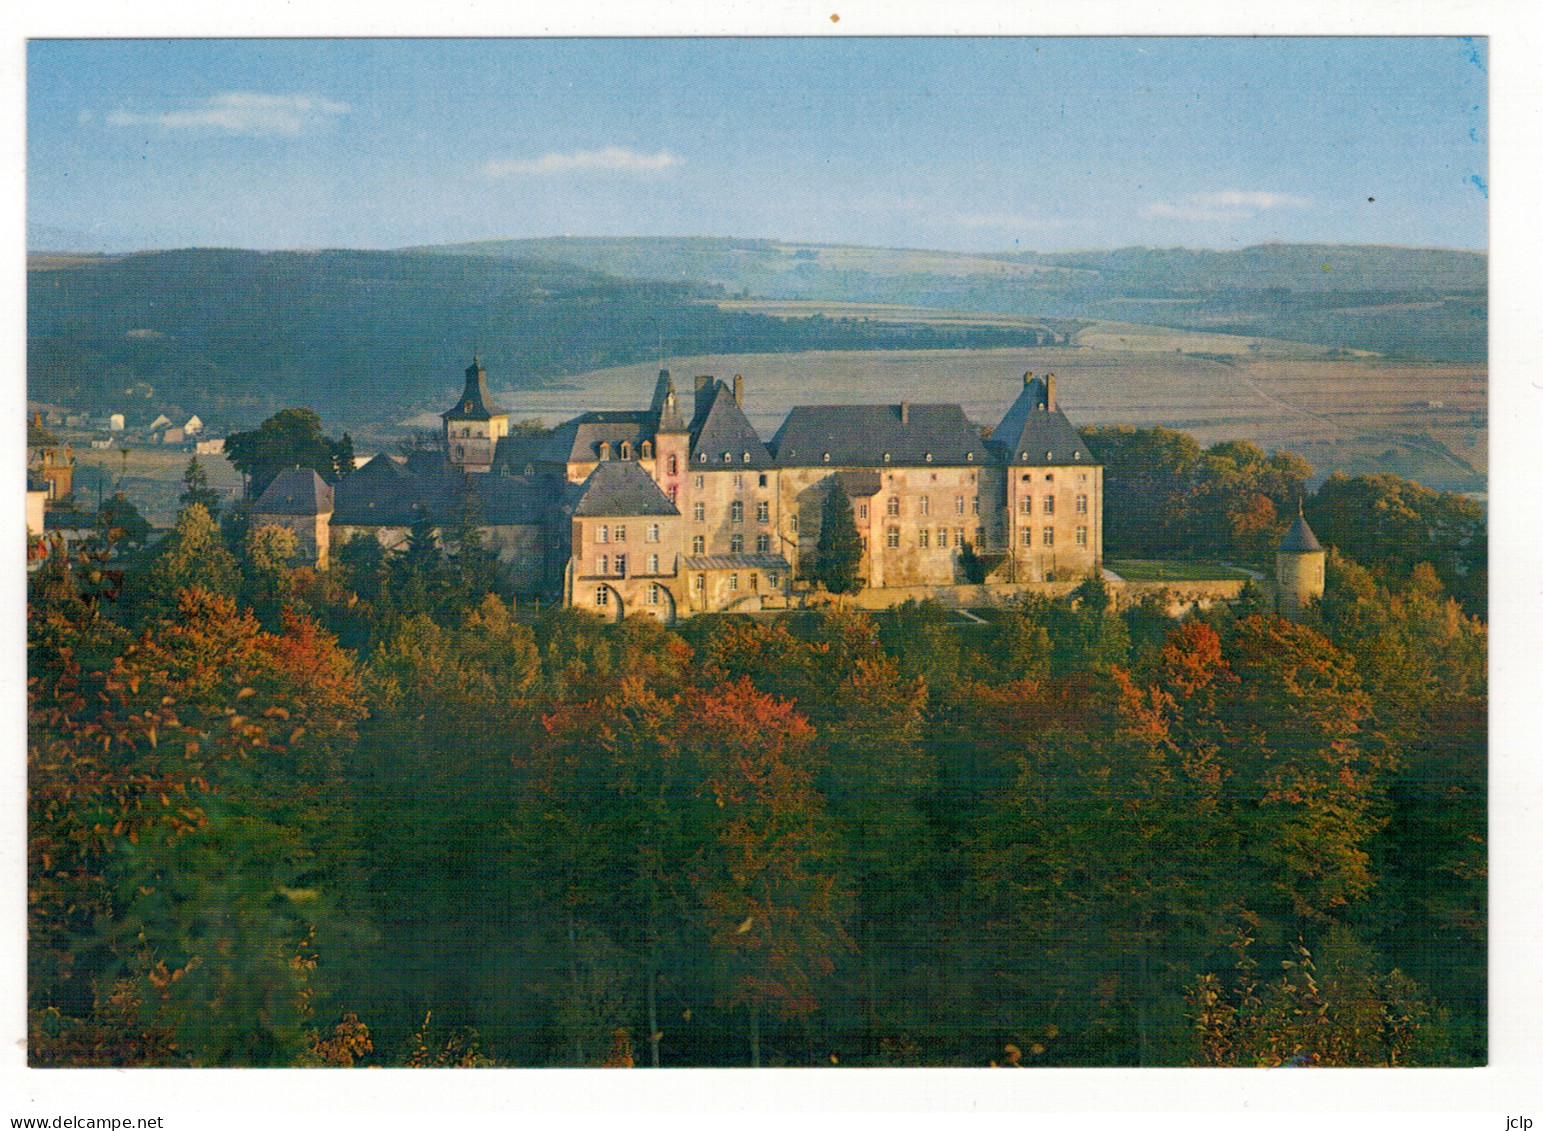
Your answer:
<point x="384" y="493"/>
<point x="720" y="432"/>
<point x="872" y="435"/>
<point x="665" y="406"/>
<point x="1300" y="539"/>
<point x="475" y="403"/>
<point x="518" y="449"/>
<point x="619" y="487"/>
<point x="735" y="561"/>
<point x="294" y="491"/>
<point x="579" y="440"/>
<point x="1036" y="433"/>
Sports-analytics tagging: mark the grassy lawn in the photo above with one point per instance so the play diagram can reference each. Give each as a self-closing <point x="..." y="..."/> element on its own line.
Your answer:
<point x="1138" y="569"/>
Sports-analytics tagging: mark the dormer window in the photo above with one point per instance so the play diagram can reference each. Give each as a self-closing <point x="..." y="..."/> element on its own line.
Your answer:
<point x="701" y="457"/>
<point x="1024" y="456"/>
<point x="827" y="457"/>
<point x="929" y="457"/>
<point x="605" y="449"/>
<point x="1049" y="455"/>
<point x="886" y="457"/>
<point x="747" y="457"/>
<point x="648" y="450"/>
<point x="969" y="457"/>
<point x="1076" y="455"/>
<point x="728" y="457"/>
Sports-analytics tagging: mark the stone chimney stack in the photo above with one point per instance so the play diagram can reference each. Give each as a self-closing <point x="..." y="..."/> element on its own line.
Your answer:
<point x="1050" y="392"/>
<point x="739" y="390"/>
<point x="905" y="412"/>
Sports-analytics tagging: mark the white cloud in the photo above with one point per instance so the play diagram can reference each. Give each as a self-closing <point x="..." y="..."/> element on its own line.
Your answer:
<point x="611" y="159"/>
<point x="1212" y="207"/>
<point x="240" y="112"/>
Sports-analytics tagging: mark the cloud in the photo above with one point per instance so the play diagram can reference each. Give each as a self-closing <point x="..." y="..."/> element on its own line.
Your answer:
<point x="1222" y="206"/>
<point x="241" y="112"/>
<point x="611" y="159"/>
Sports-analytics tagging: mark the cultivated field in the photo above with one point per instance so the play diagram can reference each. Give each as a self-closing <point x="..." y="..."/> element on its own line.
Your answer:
<point x="1428" y="422"/>
<point x="150" y="478"/>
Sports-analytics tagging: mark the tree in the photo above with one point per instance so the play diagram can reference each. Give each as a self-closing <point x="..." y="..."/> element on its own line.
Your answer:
<point x="290" y="438"/>
<point x="118" y="520"/>
<point x="196" y="489"/>
<point x="193" y="554"/>
<point x="839" y="551"/>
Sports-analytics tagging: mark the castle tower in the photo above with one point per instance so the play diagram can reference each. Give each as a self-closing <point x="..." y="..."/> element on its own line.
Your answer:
<point x="672" y="440"/>
<point x="1299" y="564"/>
<point x="475" y="425"/>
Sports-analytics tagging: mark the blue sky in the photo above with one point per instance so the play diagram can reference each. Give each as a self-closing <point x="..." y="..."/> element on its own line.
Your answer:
<point x="967" y="144"/>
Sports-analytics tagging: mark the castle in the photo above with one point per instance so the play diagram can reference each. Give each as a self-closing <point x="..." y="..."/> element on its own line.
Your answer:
<point x="652" y="512"/>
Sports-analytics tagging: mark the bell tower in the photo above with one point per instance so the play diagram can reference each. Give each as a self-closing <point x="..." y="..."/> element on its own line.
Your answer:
<point x="475" y="425"/>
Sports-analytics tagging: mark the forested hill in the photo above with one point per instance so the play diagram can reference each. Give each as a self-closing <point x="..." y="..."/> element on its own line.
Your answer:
<point x="1428" y="303"/>
<point x="366" y="335"/>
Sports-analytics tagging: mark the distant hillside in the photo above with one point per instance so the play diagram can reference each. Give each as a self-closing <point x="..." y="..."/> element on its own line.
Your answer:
<point x="363" y="336"/>
<point x="1406" y="302"/>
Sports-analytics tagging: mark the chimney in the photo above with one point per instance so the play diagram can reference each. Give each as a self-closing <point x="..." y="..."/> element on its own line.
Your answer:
<point x="1050" y="391"/>
<point x="905" y="412"/>
<point x="739" y="390"/>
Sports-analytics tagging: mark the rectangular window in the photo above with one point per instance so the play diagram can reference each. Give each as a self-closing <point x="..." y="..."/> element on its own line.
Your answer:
<point x="771" y="580"/>
<point x="892" y="538"/>
<point x="673" y="499"/>
<point x="605" y="534"/>
<point x="698" y="544"/>
<point x="739" y="481"/>
<point x="652" y="534"/>
<point x="1082" y="504"/>
<point x="733" y="581"/>
<point x="602" y="596"/>
<point x="699" y="482"/>
<point x="762" y="479"/>
<point x="763" y="543"/>
<point x="699" y="582"/>
<point x="795" y="524"/>
<point x="926" y="505"/>
<point x="1028" y="537"/>
<point x="923" y="538"/>
<point x="1026" y="505"/>
<point x="862" y="510"/>
<point x="699" y="512"/>
<point x="763" y="512"/>
<point x="605" y="563"/>
<point x="1049" y="539"/>
<point x="755" y="582"/>
<point x="942" y="537"/>
<point x="1050" y="504"/>
<point x="736" y="511"/>
<point x="980" y="535"/>
<point x="894" y="504"/>
<point x="958" y="536"/>
<point x="975" y="505"/>
<point x="621" y="565"/>
<point x="653" y="563"/>
<point x="621" y="533"/>
<point x="737" y="544"/>
<point x="958" y="504"/>
<point x="653" y="595"/>
<point x="1082" y="535"/>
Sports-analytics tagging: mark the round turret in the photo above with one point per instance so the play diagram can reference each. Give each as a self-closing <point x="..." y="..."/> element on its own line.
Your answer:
<point x="1299" y="562"/>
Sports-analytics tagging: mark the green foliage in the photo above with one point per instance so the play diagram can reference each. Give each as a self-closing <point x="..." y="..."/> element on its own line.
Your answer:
<point x="839" y="551"/>
<point x="290" y="438"/>
<point x="193" y="554"/>
<point x="196" y="489"/>
<point x="119" y="521"/>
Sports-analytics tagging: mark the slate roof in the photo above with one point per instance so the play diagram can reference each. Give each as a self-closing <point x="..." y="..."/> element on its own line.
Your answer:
<point x="384" y="493"/>
<point x="665" y="406"/>
<point x="719" y="429"/>
<point x="295" y="490"/>
<point x="861" y="434"/>
<point x="736" y="561"/>
<point x="579" y="440"/>
<point x="517" y="450"/>
<point x="1033" y="434"/>
<point x="619" y="487"/>
<point x="1300" y="539"/>
<point x="475" y="403"/>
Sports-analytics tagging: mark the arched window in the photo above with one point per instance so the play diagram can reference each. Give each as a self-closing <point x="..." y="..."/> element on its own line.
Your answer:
<point x="605" y="449"/>
<point x="648" y="450"/>
<point x="626" y="449"/>
<point x="674" y="468"/>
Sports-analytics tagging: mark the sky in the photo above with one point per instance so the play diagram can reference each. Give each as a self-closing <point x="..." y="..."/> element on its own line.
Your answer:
<point x="961" y="144"/>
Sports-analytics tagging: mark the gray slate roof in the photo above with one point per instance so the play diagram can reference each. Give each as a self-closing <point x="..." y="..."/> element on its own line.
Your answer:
<point x="736" y="561"/>
<point x="619" y="488"/>
<point x="579" y="440"/>
<point x="475" y="403"/>
<point x="295" y="490"/>
<point x="1300" y="539"/>
<point x="517" y="450"/>
<point x="860" y="435"/>
<point x="665" y="405"/>
<point x="1035" y="435"/>
<point x="384" y="493"/>
<point x="719" y="429"/>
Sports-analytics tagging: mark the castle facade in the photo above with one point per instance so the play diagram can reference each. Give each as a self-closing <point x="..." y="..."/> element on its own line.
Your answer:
<point x="657" y="512"/>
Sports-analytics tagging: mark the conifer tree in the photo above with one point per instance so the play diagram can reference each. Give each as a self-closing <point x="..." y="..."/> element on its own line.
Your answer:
<point x="840" y="548"/>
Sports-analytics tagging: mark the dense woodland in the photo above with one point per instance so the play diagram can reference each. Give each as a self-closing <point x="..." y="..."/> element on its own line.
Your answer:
<point x="396" y="815"/>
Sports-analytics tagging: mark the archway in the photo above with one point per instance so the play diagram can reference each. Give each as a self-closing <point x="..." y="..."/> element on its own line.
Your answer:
<point x="607" y="602"/>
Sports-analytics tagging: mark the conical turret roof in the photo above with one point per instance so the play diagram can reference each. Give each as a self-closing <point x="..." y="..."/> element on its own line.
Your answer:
<point x="1300" y="539"/>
